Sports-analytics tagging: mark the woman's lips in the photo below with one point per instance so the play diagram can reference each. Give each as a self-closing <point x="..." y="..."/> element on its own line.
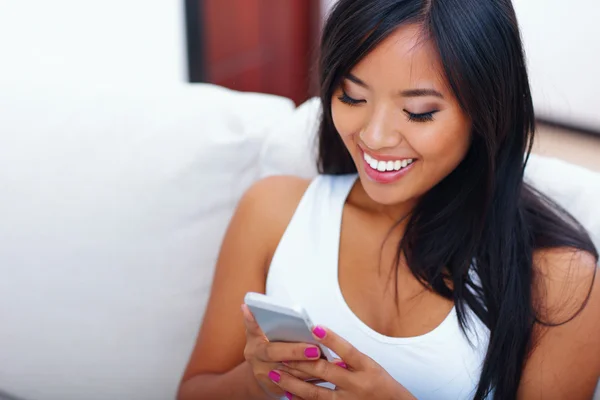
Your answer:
<point x="388" y="170"/>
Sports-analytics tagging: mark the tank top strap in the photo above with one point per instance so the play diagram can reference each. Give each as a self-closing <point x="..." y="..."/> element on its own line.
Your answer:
<point x="313" y="234"/>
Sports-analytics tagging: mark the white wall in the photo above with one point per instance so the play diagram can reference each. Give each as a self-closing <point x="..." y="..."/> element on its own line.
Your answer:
<point x="63" y="43"/>
<point x="562" y="41"/>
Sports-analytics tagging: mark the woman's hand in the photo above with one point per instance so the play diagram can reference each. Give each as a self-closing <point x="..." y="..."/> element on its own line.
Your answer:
<point x="359" y="378"/>
<point x="266" y="357"/>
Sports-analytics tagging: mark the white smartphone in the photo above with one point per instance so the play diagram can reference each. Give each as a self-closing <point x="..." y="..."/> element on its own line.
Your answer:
<point x="283" y="322"/>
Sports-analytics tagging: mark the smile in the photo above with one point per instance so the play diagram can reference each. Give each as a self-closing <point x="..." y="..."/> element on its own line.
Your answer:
<point x="386" y="171"/>
<point x="383" y="166"/>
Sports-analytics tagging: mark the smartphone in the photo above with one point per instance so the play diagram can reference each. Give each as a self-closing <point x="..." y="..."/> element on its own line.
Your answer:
<point x="282" y="322"/>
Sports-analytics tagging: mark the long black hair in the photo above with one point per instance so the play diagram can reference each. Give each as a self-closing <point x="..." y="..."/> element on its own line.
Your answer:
<point x="481" y="217"/>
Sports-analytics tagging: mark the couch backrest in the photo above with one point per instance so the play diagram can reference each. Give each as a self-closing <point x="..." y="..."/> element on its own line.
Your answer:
<point x="113" y="207"/>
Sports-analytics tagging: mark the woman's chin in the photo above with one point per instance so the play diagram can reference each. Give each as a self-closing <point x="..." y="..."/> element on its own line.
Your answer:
<point x="385" y="194"/>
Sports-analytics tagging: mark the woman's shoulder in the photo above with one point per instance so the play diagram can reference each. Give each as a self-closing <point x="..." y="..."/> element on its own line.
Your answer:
<point x="272" y="202"/>
<point x="564" y="282"/>
<point x="567" y="337"/>
<point x="276" y="194"/>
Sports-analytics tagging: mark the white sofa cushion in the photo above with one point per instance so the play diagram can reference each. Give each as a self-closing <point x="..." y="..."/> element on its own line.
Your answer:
<point x="290" y="147"/>
<point x="113" y="209"/>
<point x="574" y="188"/>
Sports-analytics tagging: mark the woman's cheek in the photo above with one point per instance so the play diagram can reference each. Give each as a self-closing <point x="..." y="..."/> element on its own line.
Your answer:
<point x="445" y="141"/>
<point x="454" y="144"/>
<point x="347" y="122"/>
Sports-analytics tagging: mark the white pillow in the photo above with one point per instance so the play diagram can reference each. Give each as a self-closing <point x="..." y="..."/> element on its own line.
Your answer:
<point x="574" y="188"/>
<point x="113" y="208"/>
<point x="293" y="151"/>
<point x="290" y="147"/>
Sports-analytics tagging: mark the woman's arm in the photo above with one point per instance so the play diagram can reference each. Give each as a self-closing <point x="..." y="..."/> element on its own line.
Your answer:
<point x="217" y="369"/>
<point x="239" y="383"/>
<point x="565" y="361"/>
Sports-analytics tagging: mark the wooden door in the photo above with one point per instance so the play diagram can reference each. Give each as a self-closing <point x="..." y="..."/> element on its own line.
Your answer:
<point x="264" y="46"/>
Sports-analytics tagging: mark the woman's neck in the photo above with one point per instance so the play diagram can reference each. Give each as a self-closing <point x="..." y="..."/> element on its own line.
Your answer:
<point x="359" y="198"/>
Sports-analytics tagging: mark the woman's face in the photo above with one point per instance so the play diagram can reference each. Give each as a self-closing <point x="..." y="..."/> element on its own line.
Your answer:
<point x="399" y="120"/>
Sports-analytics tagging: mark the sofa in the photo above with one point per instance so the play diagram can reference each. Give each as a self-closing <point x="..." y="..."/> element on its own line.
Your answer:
<point x="113" y="213"/>
<point x="118" y="180"/>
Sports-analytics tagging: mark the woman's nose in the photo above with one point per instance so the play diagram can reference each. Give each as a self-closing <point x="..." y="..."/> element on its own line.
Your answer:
<point x="381" y="132"/>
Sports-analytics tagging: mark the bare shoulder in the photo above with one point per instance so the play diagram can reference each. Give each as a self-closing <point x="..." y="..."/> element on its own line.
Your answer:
<point x="273" y="201"/>
<point x="566" y="295"/>
<point x="561" y="258"/>
<point x="275" y="189"/>
<point x="564" y="281"/>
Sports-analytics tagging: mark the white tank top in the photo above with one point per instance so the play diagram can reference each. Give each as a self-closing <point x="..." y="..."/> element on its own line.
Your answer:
<point x="441" y="364"/>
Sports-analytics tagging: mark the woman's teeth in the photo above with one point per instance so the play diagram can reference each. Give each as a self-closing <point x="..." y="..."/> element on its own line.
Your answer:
<point x="383" y="166"/>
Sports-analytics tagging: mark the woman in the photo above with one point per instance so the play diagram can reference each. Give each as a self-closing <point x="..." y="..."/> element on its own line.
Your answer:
<point x="438" y="272"/>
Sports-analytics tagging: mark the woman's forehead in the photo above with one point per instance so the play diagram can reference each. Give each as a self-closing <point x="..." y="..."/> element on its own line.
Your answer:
<point x="405" y="58"/>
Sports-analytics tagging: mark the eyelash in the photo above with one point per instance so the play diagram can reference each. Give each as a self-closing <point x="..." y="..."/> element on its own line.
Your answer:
<point x="344" y="98"/>
<point x="423" y="117"/>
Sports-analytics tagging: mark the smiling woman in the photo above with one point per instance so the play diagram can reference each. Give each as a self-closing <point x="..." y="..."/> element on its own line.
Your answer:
<point x="439" y="273"/>
<point x="402" y="109"/>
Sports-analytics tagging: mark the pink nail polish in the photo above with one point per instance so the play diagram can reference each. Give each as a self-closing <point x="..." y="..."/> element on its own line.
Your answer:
<point x="341" y="364"/>
<point x="288" y="395"/>
<point x="319" y="332"/>
<point x="311" y="352"/>
<point x="274" y="376"/>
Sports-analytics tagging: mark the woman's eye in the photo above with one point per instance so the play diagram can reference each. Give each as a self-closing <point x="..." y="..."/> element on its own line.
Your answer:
<point x="423" y="117"/>
<point x="344" y="98"/>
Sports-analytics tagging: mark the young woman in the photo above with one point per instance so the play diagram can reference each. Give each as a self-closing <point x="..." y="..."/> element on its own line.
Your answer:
<point x="437" y="273"/>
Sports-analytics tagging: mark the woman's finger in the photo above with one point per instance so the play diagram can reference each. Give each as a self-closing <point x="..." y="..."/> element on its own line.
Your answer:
<point x="300" y="375"/>
<point x="252" y="327"/>
<point x="326" y="371"/>
<point x="279" y="351"/>
<point x="352" y="357"/>
<point x="299" y="389"/>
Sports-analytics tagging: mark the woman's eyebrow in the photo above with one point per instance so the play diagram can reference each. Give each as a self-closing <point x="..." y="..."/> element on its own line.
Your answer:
<point x="404" y="93"/>
<point x="421" y="92"/>
<point x="354" y="79"/>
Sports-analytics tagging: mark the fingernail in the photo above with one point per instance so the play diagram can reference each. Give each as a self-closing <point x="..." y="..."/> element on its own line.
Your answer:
<point x="274" y="376"/>
<point x="341" y="364"/>
<point x="319" y="332"/>
<point x="288" y="395"/>
<point x="311" y="352"/>
<point x="286" y="363"/>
